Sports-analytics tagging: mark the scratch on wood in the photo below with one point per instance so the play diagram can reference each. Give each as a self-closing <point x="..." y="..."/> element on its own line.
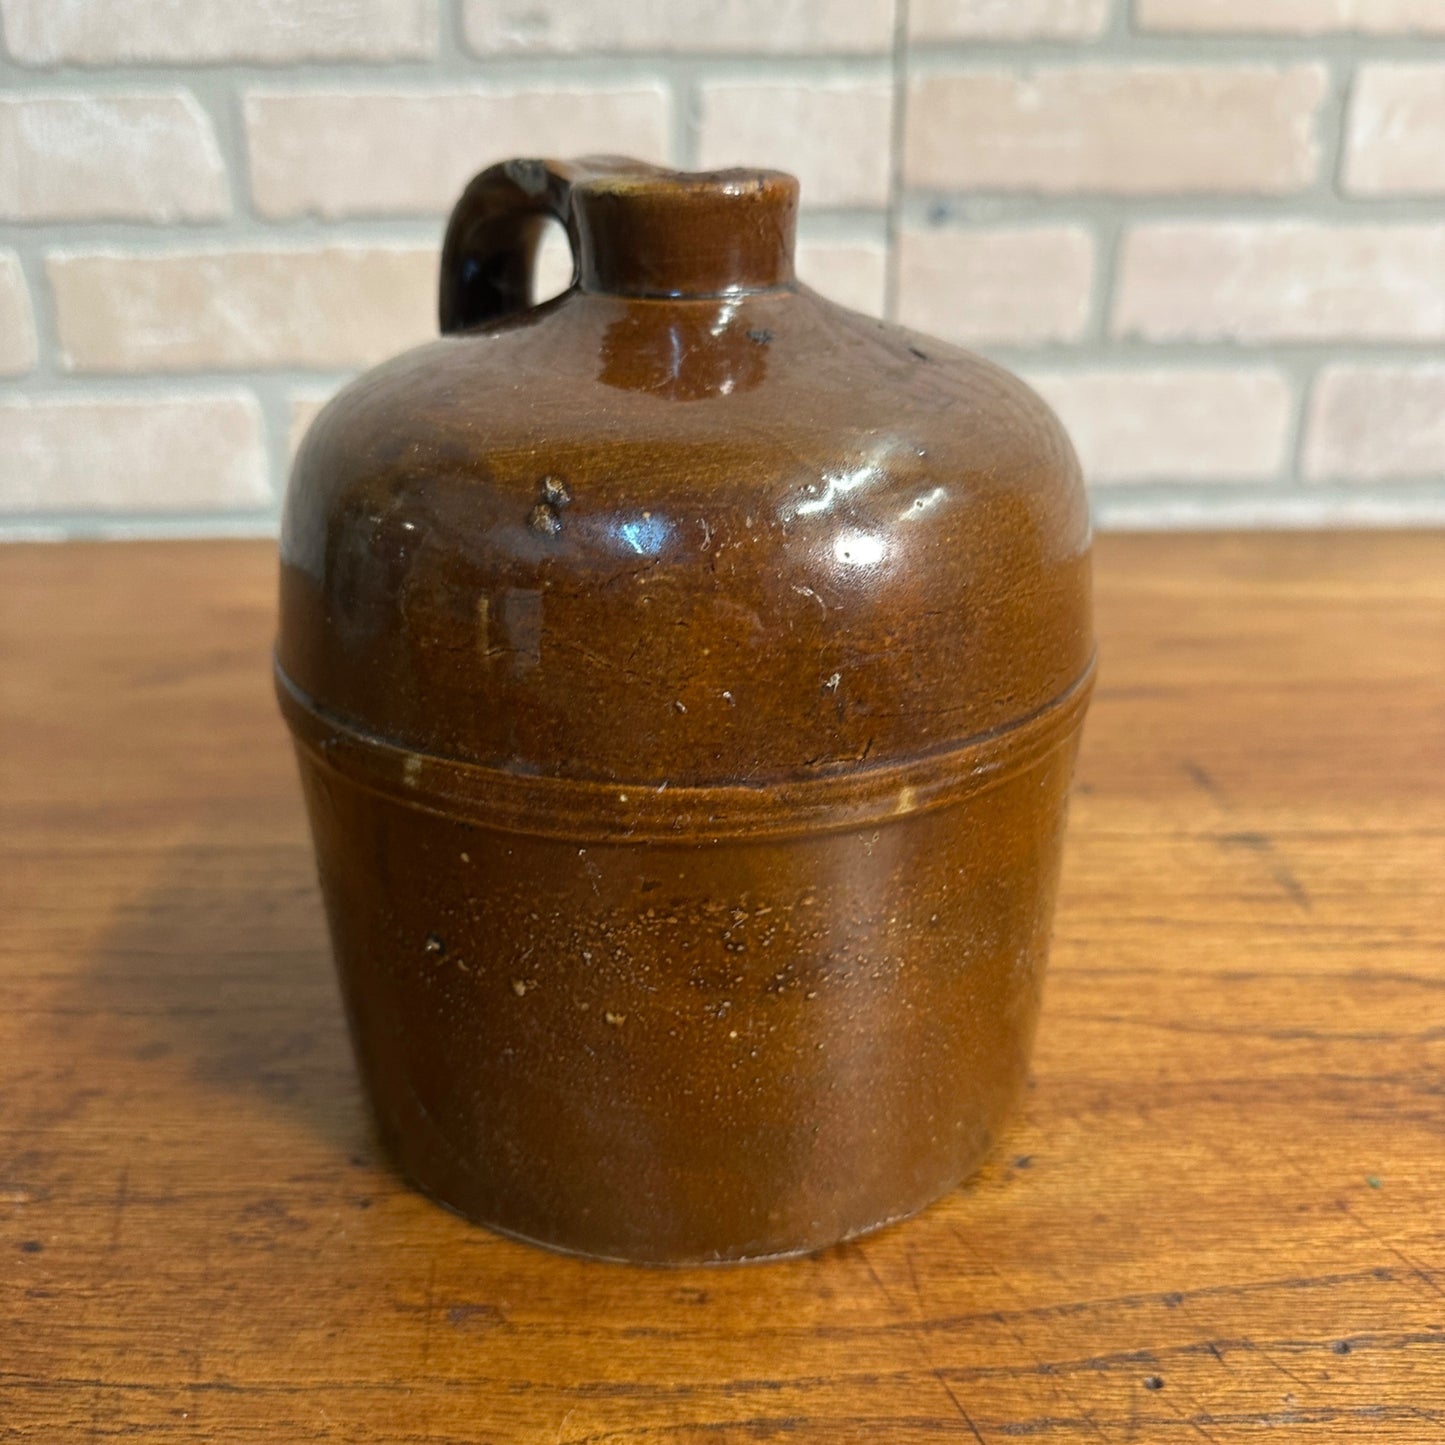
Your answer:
<point x="873" y="1275"/>
<point x="1043" y="1368"/>
<point x="1204" y="781"/>
<point x="920" y="1342"/>
<point x="962" y="1413"/>
<point x="1291" y="885"/>
<point x="913" y="1275"/>
<point x="1413" y="1268"/>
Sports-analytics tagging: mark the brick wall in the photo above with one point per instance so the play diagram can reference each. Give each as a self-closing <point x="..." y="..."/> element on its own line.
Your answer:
<point x="1212" y="232"/>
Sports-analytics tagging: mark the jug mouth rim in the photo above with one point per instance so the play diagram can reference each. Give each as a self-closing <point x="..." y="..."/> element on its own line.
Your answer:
<point x="595" y="810"/>
<point x="731" y="181"/>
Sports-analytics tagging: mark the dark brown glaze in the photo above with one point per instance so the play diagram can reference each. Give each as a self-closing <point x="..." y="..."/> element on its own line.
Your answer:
<point x="686" y="675"/>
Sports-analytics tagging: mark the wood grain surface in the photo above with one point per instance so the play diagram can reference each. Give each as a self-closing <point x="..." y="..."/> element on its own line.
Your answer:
<point x="1220" y="1213"/>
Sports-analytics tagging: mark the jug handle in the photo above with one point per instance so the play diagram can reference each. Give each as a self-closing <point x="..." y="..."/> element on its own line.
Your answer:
<point x="490" y="250"/>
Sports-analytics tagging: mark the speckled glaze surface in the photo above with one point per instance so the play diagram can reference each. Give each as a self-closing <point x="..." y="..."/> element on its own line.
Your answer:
<point x="686" y="675"/>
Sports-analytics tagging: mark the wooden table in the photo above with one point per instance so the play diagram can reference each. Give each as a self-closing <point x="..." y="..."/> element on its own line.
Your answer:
<point x="1221" y="1210"/>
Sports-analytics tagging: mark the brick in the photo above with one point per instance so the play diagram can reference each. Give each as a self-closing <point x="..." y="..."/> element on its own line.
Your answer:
<point x="1376" y="423"/>
<point x="17" y="323"/>
<point x="554" y="264"/>
<point x="1179" y="425"/>
<point x="934" y="20"/>
<point x="1281" y="281"/>
<point x="1293" y="17"/>
<point x="326" y="307"/>
<point x="335" y="153"/>
<point x="555" y="27"/>
<point x="1395" y="132"/>
<point x="833" y="135"/>
<point x="137" y="156"/>
<point x="1019" y="286"/>
<point x="142" y="454"/>
<point x="1137" y="130"/>
<point x="854" y="274"/>
<point x="59" y="32"/>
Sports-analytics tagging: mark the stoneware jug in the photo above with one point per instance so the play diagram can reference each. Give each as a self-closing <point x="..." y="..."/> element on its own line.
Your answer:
<point x="686" y="675"/>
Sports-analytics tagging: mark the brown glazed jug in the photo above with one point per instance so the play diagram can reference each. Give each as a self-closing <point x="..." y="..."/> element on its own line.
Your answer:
<point x="686" y="675"/>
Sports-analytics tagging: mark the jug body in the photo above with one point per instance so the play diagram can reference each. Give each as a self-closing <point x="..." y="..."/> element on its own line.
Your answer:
<point x="686" y="676"/>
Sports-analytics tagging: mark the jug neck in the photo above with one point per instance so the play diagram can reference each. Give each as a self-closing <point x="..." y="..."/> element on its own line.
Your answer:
<point x="677" y="234"/>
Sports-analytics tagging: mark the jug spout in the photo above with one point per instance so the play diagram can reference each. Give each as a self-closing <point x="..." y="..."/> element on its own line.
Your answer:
<point x="671" y="233"/>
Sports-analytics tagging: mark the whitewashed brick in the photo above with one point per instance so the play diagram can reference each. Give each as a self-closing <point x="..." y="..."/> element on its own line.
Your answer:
<point x="394" y="152"/>
<point x="832" y="135"/>
<point x="325" y="307"/>
<point x="1007" y="19"/>
<point x="140" y="454"/>
<point x="1281" y="281"/>
<point x="84" y="32"/>
<point x="1376" y="423"/>
<point x="755" y="26"/>
<point x="999" y="286"/>
<point x="17" y="322"/>
<point x="1395" y="136"/>
<point x="1137" y="130"/>
<point x="1154" y="425"/>
<point x="1293" y="17"/>
<point x="852" y="273"/>
<point x="554" y="267"/>
<point x="138" y="155"/>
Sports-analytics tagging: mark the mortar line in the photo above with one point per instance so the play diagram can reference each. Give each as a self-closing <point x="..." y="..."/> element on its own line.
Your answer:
<point x="1108" y="234"/>
<point x="897" y="136"/>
